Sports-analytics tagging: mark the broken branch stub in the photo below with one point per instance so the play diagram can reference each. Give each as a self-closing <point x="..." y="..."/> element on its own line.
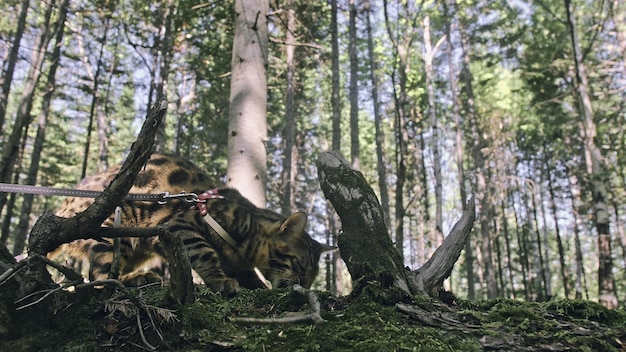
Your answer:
<point x="430" y="276"/>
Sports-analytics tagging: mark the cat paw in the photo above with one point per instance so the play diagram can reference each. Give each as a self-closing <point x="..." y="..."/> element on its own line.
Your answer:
<point x="136" y="279"/>
<point x="228" y="286"/>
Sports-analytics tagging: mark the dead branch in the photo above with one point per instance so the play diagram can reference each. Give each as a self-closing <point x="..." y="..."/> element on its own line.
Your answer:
<point x="50" y="231"/>
<point x="313" y="316"/>
<point x="90" y="220"/>
<point x="181" y="281"/>
<point x="430" y="276"/>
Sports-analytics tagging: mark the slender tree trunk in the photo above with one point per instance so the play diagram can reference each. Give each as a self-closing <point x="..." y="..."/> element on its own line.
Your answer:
<point x="291" y="150"/>
<point x="354" y="88"/>
<point x="95" y="89"/>
<point x="247" y="129"/>
<point x="580" y="282"/>
<point x="400" y="52"/>
<point x="7" y="76"/>
<point x="559" y="241"/>
<point x="24" y="222"/>
<point x="520" y="233"/>
<point x="165" y="58"/>
<point x="507" y="243"/>
<point x="596" y="171"/>
<point x="11" y="147"/>
<point x="499" y="257"/>
<point x="103" y="113"/>
<point x="336" y="84"/>
<point x="380" y="141"/>
<point x="546" y="247"/>
<point x="458" y="133"/>
<point x="429" y="55"/>
<point x="482" y="194"/>
<point x="334" y="281"/>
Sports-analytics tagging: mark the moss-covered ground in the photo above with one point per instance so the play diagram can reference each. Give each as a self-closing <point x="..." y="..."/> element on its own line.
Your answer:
<point x="88" y="322"/>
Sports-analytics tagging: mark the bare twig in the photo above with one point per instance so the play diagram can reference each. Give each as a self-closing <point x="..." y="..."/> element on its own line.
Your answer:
<point x="10" y="272"/>
<point x="143" y="337"/>
<point x="314" y="316"/>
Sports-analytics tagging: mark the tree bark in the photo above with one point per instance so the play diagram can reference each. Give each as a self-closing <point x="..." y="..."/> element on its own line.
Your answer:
<point x="247" y="130"/>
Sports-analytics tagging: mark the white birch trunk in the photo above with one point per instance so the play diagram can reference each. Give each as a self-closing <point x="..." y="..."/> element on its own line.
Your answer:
<point x="247" y="130"/>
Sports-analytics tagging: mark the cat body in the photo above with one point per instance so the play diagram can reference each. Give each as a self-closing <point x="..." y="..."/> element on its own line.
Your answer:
<point x="278" y="247"/>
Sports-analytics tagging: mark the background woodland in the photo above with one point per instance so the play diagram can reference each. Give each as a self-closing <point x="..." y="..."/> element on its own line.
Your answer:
<point x="519" y="103"/>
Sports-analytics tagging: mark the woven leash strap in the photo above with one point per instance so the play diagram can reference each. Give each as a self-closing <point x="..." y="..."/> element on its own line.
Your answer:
<point x="52" y="191"/>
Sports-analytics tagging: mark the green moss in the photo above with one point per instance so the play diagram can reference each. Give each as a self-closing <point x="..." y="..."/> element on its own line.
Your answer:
<point x="361" y="322"/>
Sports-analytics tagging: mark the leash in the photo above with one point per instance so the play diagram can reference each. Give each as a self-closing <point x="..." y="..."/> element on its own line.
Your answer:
<point x="67" y="192"/>
<point x="161" y="198"/>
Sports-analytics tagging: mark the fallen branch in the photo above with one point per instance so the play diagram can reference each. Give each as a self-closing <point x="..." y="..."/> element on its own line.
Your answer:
<point x="313" y="317"/>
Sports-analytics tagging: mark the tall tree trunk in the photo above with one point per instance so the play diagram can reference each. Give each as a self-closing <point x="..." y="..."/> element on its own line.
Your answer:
<point x="580" y="282"/>
<point x="482" y="194"/>
<point x="354" y="88"/>
<point x="507" y="243"/>
<point x="559" y="241"/>
<point x="291" y="150"/>
<point x="7" y="76"/>
<point x="24" y="222"/>
<point x="333" y="280"/>
<point x="103" y="113"/>
<point x="247" y="128"/>
<point x="95" y="89"/>
<point x="520" y="234"/>
<point x="595" y="169"/>
<point x="336" y="84"/>
<point x="380" y="140"/>
<point x="546" y="247"/>
<point x="22" y="119"/>
<point x="430" y="52"/>
<point x="165" y="57"/>
<point x="450" y="14"/>
<point x="400" y="52"/>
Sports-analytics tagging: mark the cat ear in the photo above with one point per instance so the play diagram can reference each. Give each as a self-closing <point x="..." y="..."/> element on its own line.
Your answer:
<point x="294" y="225"/>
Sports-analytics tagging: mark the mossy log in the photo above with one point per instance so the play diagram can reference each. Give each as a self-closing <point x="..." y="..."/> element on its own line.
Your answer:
<point x="365" y="244"/>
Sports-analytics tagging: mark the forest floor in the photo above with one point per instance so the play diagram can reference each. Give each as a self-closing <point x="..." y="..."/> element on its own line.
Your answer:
<point x="97" y="320"/>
